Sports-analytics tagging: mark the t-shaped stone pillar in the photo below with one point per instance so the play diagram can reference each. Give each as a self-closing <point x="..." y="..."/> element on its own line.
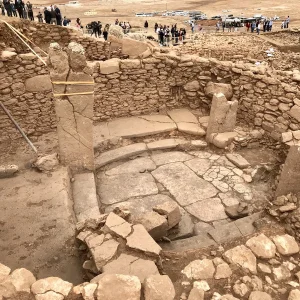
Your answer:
<point x="73" y="92"/>
<point x="222" y="120"/>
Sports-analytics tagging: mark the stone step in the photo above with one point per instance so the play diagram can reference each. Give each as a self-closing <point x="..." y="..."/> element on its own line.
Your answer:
<point x="119" y="153"/>
<point x="85" y="197"/>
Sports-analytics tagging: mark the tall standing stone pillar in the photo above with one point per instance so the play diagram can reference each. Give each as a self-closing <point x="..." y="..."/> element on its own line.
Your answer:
<point x="222" y="121"/>
<point x="73" y="89"/>
<point x="289" y="181"/>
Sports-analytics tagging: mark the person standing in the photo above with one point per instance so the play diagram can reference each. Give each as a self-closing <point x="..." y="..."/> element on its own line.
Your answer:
<point x="30" y="11"/>
<point x="53" y="16"/>
<point x="270" y="24"/>
<point x="40" y="17"/>
<point x="25" y="12"/>
<point x="155" y="27"/>
<point x="94" y="28"/>
<point x="287" y="22"/>
<point x="167" y="36"/>
<point x="7" y="7"/>
<point x="13" y="8"/>
<point x="218" y="26"/>
<point x="99" y="27"/>
<point x="58" y="15"/>
<point x="146" y="25"/>
<point x="47" y="15"/>
<point x="258" y="27"/>
<point x="193" y="27"/>
<point x="105" y="32"/>
<point x="19" y="5"/>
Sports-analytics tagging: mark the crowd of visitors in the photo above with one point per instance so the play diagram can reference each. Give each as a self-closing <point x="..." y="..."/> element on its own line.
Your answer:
<point x="96" y="29"/>
<point x="10" y="8"/>
<point x="125" y="25"/>
<point x="167" y="35"/>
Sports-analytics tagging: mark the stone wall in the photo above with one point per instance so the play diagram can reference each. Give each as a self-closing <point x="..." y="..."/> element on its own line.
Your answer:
<point x="267" y="98"/>
<point x="43" y="34"/>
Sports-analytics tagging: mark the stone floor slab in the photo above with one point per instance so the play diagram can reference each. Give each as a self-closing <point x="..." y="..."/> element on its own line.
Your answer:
<point x="191" y="128"/>
<point x="245" y="225"/>
<point x="140" y="126"/>
<point x="199" y="165"/>
<point x="170" y="157"/>
<point x="165" y="144"/>
<point x="138" y="165"/>
<point x="225" y="233"/>
<point x="196" y="242"/>
<point x="183" y="183"/>
<point x="119" y="153"/>
<point x="207" y="210"/>
<point x="182" y="115"/>
<point x="100" y="134"/>
<point x="117" y="188"/>
<point x="85" y="196"/>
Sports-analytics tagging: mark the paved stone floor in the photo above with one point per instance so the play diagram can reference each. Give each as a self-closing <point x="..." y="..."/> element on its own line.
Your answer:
<point x="202" y="183"/>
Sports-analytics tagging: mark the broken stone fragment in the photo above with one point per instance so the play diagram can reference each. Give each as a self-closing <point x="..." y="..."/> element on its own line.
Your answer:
<point x="262" y="246"/>
<point x="155" y="224"/>
<point x="47" y="163"/>
<point x="223" y="271"/>
<point x="141" y="240"/>
<point x="22" y="280"/>
<point x="115" y="286"/>
<point x="171" y="210"/>
<point x="286" y="244"/>
<point x="288" y="207"/>
<point x="281" y="273"/>
<point x="8" y="171"/>
<point x="243" y="257"/>
<point x="131" y="265"/>
<point x="236" y="212"/>
<point x="54" y="284"/>
<point x="196" y="294"/>
<point x="117" y="225"/>
<point x="199" y="269"/>
<point x="159" y="287"/>
<point x="238" y="160"/>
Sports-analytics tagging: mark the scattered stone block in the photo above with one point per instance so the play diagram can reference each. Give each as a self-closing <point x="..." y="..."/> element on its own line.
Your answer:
<point x="281" y="273"/>
<point x="262" y="246"/>
<point x="242" y="257"/>
<point x="155" y="224"/>
<point x="184" y="230"/>
<point x="286" y="244"/>
<point x="238" y="160"/>
<point x="223" y="271"/>
<point x="196" y="294"/>
<point x="222" y="140"/>
<point x="115" y="286"/>
<point x="159" y="287"/>
<point x="47" y="163"/>
<point x="22" y="280"/>
<point x="141" y="240"/>
<point x="116" y="225"/>
<point x="171" y="210"/>
<point x="8" y="171"/>
<point x="199" y="269"/>
<point x="131" y="265"/>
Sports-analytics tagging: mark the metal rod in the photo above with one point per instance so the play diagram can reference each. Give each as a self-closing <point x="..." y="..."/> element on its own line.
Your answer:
<point x="18" y="127"/>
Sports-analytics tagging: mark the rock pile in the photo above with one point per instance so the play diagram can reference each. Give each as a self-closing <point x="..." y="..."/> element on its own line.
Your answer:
<point x="116" y="246"/>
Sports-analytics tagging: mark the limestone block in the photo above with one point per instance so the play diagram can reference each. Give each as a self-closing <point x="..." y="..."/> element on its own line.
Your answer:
<point x="171" y="210"/>
<point x="262" y="246"/>
<point x="22" y="280"/>
<point x="39" y="83"/>
<point x="238" y="160"/>
<point x="222" y="140"/>
<point x="159" y="287"/>
<point x="286" y="244"/>
<point x="130" y="64"/>
<point x="117" y="225"/>
<point x="216" y="88"/>
<point x="110" y="66"/>
<point x="47" y="163"/>
<point x="295" y="112"/>
<point x="8" y="171"/>
<point x="112" y="287"/>
<point x="192" y="86"/>
<point x="199" y="269"/>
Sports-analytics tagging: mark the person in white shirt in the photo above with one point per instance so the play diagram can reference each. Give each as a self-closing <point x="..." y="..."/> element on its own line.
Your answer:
<point x="258" y="27"/>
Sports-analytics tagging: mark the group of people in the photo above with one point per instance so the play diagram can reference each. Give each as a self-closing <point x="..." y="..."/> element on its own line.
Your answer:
<point x="96" y="27"/>
<point x="265" y="25"/>
<point x="167" y="35"/>
<point x="52" y="15"/>
<point x="125" y="25"/>
<point x="10" y="8"/>
<point x="285" y="23"/>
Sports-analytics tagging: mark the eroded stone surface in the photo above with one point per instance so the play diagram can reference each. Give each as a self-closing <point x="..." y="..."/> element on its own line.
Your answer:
<point x="159" y="287"/>
<point x="183" y="183"/>
<point x="170" y="157"/>
<point x="262" y="246"/>
<point x="199" y="269"/>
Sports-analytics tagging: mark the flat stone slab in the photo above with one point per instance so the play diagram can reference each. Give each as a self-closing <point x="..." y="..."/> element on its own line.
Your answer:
<point x="141" y="126"/>
<point x="196" y="242"/>
<point x="191" y="128"/>
<point x="100" y="134"/>
<point x="225" y="233"/>
<point x="117" y="188"/>
<point x="170" y="157"/>
<point x="119" y="153"/>
<point x="207" y="210"/>
<point x="238" y="160"/>
<point x="140" y="206"/>
<point x="85" y="196"/>
<point x="138" y="165"/>
<point x="165" y="144"/>
<point x="199" y="165"/>
<point x="141" y="240"/>
<point x="182" y="115"/>
<point x="131" y="265"/>
<point x="245" y="225"/>
<point x="183" y="183"/>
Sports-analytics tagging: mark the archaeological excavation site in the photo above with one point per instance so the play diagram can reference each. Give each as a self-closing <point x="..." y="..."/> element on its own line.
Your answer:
<point x="130" y="171"/>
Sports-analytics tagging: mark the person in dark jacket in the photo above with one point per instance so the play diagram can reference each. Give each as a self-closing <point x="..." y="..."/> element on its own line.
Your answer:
<point x="47" y="15"/>
<point x="13" y="8"/>
<point x="105" y="32"/>
<point x="7" y="6"/>
<point x="30" y="11"/>
<point x="53" y="16"/>
<point x="58" y="15"/>
<point x="19" y="5"/>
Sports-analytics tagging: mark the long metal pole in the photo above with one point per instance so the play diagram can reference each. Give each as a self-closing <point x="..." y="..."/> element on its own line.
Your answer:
<point x="18" y="127"/>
